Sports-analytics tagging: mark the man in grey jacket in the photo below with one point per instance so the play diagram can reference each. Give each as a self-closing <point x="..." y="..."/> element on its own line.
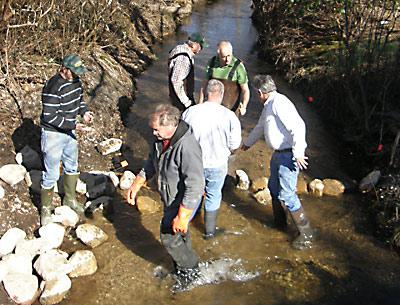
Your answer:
<point x="177" y="161"/>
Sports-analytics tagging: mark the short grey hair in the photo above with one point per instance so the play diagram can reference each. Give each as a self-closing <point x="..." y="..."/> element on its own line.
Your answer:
<point x="166" y="115"/>
<point x="264" y="83"/>
<point x="224" y="44"/>
<point x="215" y="86"/>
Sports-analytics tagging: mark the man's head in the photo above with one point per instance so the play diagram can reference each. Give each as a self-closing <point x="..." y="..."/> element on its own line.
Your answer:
<point x="72" y="66"/>
<point x="196" y="42"/>
<point x="164" y="120"/>
<point x="215" y="91"/>
<point x="225" y="52"/>
<point x="264" y="85"/>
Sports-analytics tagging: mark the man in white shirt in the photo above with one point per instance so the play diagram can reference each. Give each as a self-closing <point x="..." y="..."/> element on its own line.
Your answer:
<point x="285" y="132"/>
<point x="218" y="131"/>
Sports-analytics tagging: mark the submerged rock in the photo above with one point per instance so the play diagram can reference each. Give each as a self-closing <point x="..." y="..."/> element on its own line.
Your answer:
<point x="82" y="262"/>
<point x="263" y="197"/>
<point x="369" y="181"/>
<point x="146" y="204"/>
<point x="333" y="187"/>
<point x="91" y="235"/>
<point x="317" y="187"/>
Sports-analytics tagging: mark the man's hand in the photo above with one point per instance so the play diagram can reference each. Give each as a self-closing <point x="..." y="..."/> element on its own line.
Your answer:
<point x="242" y="109"/>
<point x="88" y="116"/>
<point x="134" y="189"/>
<point x="181" y="221"/>
<point x="302" y="162"/>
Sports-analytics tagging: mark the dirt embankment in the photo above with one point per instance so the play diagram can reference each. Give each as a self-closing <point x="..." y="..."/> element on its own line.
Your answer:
<point x="114" y="38"/>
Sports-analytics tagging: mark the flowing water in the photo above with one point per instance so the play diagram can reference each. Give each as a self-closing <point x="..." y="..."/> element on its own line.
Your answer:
<point x="252" y="263"/>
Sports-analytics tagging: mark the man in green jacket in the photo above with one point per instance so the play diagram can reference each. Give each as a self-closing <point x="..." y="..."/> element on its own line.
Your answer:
<point x="231" y="72"/>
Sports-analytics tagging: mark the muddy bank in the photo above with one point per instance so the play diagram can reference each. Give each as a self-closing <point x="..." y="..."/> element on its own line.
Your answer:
<point x="122" y="48"/>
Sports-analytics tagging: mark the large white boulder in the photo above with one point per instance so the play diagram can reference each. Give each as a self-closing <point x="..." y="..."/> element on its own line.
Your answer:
<point x="55" y="290"/>
<point x="21" y="288"/>
<point x="109" y="146"/>
<point x="316" y="187"/>
<point x="12" y="173"/>
<point x="66" y="216"/>
<point x="52" y="264"/>
<point x="53" y="235"/>
<point x="10" y="239"/>
<point x="31" y="247"/>
<point x="243" y="181"/>
<point x="18" y="263"/>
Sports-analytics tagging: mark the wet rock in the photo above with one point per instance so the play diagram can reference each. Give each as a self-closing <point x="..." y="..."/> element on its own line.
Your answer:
<point x="109" y="146"/>
<point x="12" y="173"/>
<point x="52" y="264"/>
<point x="126" y="180"/>
<point x="106" y="188"/>
<point x="66" y="216"/>
<point x="21" y="288"/>
<point x="29" y="158"/>
<point x="10" y="239"/>
<point x="243" y="181"/>
<point x="18" y="263"/>
<point x="333" y="187"/>
<point x="55" y="290"/>
<point x="317" y="187"/>
<point x="52" y="234"/>
<point x="368" y="182"/>
<point x="259" y="184"/>
<point x="31" y="247"/>
<point x="91" y="235"/>
<point x="263" y="197"/>
<point x="302" y="187"/>
<point x="146" y="204"/>
<point x="82" y="262"/>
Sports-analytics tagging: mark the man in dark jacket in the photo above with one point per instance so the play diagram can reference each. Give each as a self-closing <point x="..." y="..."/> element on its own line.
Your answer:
<point x="62" y="102"/>
<point x="177" y="161"/>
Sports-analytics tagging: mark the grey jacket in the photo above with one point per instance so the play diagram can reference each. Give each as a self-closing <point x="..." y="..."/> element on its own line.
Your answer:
<point x="179" y="171"/>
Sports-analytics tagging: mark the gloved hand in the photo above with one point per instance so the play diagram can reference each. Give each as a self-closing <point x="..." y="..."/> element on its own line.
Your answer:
<point x="134" y="189"/>
<point x="181" y="221"/>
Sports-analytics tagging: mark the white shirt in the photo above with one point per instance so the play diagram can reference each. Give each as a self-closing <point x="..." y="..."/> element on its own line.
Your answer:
<point x="281" y="125"/>
<point x="217" y="129"/>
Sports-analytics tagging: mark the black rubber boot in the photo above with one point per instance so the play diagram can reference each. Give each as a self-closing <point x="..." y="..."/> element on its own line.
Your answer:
<point x="186" y="279"/>
<point x="69" y="199"/>
<point x="210" y="223"/>
<point x="46" y="209"/>
<point x="279" y="215"/>
<point x="306" y="233"/>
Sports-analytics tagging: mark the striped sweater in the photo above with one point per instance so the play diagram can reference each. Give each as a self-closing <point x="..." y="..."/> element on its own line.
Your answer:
<point x="61" y="101"/>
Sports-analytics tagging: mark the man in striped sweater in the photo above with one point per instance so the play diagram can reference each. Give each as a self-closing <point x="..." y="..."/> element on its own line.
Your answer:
<point x="62" y="102"/>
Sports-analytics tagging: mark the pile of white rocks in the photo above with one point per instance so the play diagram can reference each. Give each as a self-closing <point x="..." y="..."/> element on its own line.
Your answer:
<point x="259" y="187"/>
<point x="54" y="268"/>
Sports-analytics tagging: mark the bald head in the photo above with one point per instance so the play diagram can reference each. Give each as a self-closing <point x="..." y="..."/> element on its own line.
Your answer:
<point x="215" y="91"/>
<point x="225" y="52"/>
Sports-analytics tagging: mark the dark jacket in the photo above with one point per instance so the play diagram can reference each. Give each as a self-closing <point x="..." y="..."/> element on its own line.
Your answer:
<point x="62" y="102"/>
<point x="179" y="171"/>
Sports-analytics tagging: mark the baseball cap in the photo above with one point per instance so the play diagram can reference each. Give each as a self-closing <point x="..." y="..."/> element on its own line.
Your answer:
<point x="74" y="63"/>
<point x="199" y="38"/>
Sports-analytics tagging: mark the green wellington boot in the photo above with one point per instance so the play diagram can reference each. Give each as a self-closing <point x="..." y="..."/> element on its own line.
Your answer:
<point x="70" y="181"/>
<point x="46" y="200"/>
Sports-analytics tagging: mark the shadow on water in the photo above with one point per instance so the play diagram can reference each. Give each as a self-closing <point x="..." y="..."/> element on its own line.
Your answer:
<point x="129" y="229"/>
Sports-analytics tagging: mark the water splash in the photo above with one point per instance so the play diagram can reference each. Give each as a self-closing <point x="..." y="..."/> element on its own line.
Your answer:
<point x="213" y="272"/>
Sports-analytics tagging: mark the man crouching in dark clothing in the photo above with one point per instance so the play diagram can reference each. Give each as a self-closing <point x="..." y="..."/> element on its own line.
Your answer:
<point x="177" y="161"/>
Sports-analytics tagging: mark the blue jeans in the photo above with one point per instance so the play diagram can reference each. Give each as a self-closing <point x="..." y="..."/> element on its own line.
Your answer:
<point x="56" y="147"/>
<point x="215" y="178"/>
<point x="283" y="180"/>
